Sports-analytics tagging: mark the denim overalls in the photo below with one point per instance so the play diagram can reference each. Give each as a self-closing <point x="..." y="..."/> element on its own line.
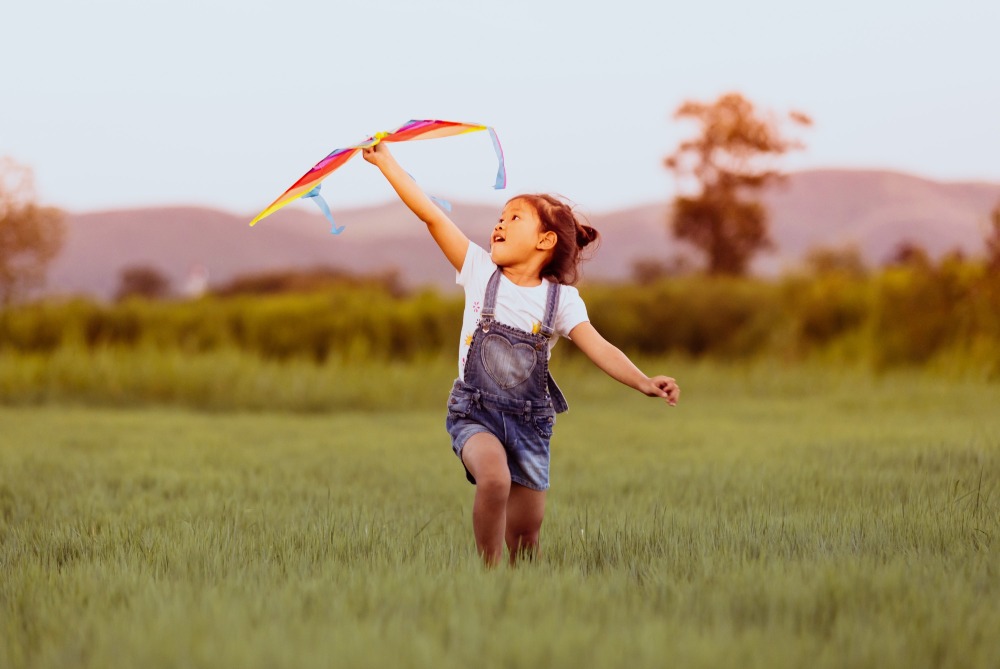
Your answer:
<point x="508" y="391"/>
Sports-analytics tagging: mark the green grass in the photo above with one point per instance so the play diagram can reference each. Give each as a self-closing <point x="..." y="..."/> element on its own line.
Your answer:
<point x="224" y="380"/>
<point x="780" y="517"/>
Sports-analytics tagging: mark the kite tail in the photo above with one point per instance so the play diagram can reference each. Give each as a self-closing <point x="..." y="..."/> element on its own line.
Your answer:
<point x="501" y="181"/>
<point x="440" y="202"/>
<point x="325" y="208"/>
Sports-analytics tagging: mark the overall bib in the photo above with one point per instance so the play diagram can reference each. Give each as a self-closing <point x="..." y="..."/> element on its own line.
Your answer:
<point x="508" y="391"/>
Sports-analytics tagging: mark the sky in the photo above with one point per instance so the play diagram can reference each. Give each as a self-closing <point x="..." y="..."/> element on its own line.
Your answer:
<point x="225" y="103"/>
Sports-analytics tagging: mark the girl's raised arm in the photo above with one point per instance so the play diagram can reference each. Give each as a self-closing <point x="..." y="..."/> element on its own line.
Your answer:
<point x="452" y="241"/>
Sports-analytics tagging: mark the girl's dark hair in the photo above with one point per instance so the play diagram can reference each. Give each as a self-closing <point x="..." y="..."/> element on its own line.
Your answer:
<point x="573" y="235"/>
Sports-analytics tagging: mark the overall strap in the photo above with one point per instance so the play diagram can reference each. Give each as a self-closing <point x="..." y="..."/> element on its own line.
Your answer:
<point x="551" y="305"/>
<point x="490" y="301"/>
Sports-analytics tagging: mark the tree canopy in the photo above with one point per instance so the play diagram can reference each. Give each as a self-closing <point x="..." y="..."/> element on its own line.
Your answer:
<point x="725" y="166"/>
<point x="142" y="281"/>
<point x="30" y="235"/>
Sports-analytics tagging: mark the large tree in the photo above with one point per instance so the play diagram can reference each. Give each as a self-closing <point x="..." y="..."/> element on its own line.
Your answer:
<point x="30" y="235"/>
<point x="720" y="174"/>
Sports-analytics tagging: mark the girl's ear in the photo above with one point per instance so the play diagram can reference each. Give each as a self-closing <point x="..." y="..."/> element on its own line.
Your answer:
<point x="547" y="241"/>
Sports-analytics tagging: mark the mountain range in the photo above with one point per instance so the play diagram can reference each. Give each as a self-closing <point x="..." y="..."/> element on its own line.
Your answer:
<point x="873" y="210"/>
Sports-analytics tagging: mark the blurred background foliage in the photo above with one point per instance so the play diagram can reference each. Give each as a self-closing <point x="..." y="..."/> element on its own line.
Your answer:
<point x="909" y="312"/>
<point x="274" y="333"/>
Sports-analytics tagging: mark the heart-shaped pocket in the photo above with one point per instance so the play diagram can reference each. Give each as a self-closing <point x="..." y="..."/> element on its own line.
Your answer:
<point x="508" y="365"/>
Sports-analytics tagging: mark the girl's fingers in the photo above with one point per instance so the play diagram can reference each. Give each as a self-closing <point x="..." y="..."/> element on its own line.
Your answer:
<point x="672" y="391"/>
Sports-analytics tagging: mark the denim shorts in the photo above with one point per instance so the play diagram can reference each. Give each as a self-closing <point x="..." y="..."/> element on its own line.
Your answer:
<point x="524" y="429"/>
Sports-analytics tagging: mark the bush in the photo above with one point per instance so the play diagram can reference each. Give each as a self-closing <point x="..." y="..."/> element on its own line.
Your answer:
<point x="902" y="315"/>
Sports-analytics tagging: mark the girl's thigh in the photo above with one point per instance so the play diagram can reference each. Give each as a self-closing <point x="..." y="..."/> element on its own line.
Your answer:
<point x="485" y="458"/>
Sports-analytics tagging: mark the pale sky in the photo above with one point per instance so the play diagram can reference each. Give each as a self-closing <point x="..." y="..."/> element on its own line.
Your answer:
<point x="225" y="103"/>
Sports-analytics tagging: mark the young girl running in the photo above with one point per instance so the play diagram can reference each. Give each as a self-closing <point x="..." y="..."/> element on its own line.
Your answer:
<point x="518" y="298"/>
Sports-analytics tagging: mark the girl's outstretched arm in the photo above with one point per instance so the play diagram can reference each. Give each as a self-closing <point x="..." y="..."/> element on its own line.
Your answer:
<point x="452" y="241"/>
<point x="616" y="364"/>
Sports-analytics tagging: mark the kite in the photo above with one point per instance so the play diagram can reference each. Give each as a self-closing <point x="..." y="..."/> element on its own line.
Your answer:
<point x="308" y="186"/>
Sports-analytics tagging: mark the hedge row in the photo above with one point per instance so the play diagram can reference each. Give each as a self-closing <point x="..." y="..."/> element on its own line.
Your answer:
<point x="899" y="316"/>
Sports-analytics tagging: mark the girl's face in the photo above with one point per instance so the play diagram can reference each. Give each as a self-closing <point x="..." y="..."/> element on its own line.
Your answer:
<point x="517" y="235"/>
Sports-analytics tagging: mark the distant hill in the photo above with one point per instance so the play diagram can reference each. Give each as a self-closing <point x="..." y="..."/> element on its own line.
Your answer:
<point x="876" y="210"/>
<point x="873" y="209"/>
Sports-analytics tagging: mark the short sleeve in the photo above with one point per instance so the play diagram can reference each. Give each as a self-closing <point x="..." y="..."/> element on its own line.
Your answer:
<point x="572" y="311"/>
<point x="477" y="264"/>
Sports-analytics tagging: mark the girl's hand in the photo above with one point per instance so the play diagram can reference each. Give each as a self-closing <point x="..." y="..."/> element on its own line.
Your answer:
<point x="665" y="387"/>
<point x="377" y="155"/>
<point x="616" y="364"/>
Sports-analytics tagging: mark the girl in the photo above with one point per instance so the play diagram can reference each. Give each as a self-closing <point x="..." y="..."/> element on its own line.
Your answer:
<point x="518" y="298"/>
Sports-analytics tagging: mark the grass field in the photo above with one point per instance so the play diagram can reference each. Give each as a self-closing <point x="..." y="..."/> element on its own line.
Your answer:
<point x="801" y="517"/>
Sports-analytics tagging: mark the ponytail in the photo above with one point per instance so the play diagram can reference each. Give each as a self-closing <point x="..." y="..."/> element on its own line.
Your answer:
<point x="585" y="234"/>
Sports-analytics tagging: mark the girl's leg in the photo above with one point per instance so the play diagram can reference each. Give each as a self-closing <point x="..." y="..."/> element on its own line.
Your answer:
<point x="525" y="508"/>
<point x="486" y="460"/>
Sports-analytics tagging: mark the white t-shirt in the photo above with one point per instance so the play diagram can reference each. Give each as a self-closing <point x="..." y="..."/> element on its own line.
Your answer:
<point x="516" y="306"/>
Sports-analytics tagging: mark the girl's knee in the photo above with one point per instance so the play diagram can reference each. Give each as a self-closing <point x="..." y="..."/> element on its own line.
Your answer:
<point x="487" y="462"/>
<point x="494" y="483"/>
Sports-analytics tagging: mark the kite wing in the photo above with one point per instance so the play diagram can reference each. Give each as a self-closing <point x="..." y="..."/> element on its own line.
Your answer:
<point x="308" y="185"/>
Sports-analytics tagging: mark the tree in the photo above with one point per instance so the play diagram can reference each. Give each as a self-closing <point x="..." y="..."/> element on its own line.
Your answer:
<point x="846" y="260"/>
<point x="908" y="253"/>
<point x="30" y="235"/>
<point x="726" y="163"/>
<point x="993" y="241"/>
<point x="142" y="281"/>
<point x="646" y="271"/>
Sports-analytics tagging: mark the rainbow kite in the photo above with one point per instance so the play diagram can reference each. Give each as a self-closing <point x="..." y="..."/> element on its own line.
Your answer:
<point x="308" y="186"/>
